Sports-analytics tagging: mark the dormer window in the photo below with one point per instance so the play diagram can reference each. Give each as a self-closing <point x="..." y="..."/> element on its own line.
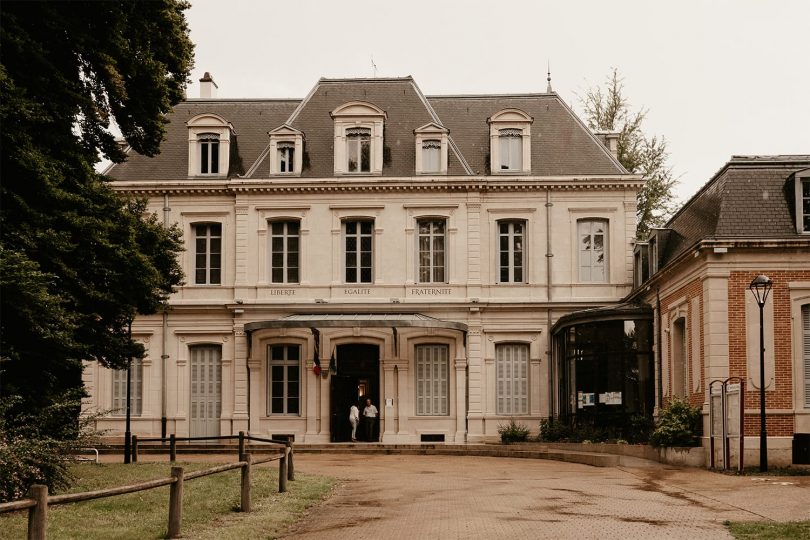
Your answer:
<point x="286" y="151"/>
<point x="358" y="138"/>
<point x="209" y="144"/>
<point x="431" y="149"/>
<point x="358" y="150"/>
<point x="286" y="157"/>
<point x="209" y="153"/>
<point x="803" y="201"/>
<point x="510" y="142"/>
<point x="511" y="149"/>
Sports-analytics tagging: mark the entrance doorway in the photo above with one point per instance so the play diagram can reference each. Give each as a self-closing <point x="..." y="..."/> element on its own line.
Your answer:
<point x="357" y="378"/>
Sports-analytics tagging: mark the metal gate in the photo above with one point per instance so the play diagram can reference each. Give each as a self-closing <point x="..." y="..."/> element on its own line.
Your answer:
<point x="206" y="390"/>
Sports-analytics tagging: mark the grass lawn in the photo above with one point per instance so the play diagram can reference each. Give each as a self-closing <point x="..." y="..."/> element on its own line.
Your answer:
<point x="208" y="505"/>
<point x="770" y="531"/>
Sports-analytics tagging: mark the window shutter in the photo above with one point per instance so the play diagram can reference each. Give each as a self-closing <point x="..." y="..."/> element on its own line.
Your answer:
<point x="512" y="378"/>
<point x="806" y="349"/>
<point x="432" y="380"/>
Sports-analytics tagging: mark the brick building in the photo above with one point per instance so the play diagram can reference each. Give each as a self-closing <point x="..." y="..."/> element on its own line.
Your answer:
<point x="751" y="218"/>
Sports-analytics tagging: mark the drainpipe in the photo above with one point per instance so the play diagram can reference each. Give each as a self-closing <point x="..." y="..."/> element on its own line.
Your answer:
<point x="658" y="366"/>
<point x="549" y="255"/>
<point x="164" y="356"/>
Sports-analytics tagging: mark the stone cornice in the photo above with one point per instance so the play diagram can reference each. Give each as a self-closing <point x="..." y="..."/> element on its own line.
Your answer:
<point x="377" y="184"/>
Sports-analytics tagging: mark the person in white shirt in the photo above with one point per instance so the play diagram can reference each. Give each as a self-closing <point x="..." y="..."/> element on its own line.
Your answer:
<point x="370" y="415"/>
<point x="354" y="419"/>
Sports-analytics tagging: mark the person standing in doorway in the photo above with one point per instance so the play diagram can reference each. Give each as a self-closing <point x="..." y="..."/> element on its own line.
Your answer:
<point x="354" y="419"/>
<point x="370" y="416"/>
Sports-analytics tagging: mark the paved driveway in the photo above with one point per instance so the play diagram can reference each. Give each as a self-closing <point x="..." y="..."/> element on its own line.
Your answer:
<point x="416" y="497"/>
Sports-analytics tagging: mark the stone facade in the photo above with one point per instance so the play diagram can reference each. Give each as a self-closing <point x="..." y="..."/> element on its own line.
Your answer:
<point x="236" y="349"/>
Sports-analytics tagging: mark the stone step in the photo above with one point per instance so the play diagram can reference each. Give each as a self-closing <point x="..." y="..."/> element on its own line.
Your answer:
<point x="492" y="450"/>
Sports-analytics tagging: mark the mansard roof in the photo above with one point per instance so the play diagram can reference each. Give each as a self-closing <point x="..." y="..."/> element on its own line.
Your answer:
<point x="561" y="144"/>
<point x="251" y="120"/>
<point x="751" y="197"/>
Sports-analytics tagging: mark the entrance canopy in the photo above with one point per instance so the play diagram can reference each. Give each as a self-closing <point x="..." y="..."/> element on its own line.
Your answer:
<point x="351" y="320"/>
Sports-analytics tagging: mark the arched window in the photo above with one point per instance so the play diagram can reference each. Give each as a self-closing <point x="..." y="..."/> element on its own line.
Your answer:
<point x="284" y="379"/>
<point x="593" y="236"/>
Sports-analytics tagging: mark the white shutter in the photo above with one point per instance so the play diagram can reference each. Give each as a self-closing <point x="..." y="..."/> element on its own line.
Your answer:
<point x="432" y="380"/>
<point x="806" y="352"/>
<point x="512" y="378"/>
<point x="119" y="384"/>
<point x="206" y="390"/>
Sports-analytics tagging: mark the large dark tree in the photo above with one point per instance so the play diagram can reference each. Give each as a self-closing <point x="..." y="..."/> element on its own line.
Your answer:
<point x="608" y="109"/>
<point x="77" y="260"/>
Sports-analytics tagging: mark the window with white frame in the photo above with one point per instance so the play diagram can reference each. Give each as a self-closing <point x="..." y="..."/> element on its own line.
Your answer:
<point x="431" y="155"/>
<point x="209" y="153"/>
<point x="431" y="240"/>
<point x="432" y="142"/>
<point x="806" y="352"/>
<point x="358" y="250"/>
<point x="510" y="142"/>
<point x="358" y="150"/>
<point x="512" y="378"/>
<point x="592" y="234"/>
<point x="511" y="149"/>
<point x="284" y="379"/>
<point x="209" y="143"/>
<point x="119" y="387"/>
<point x="511" y="235"/>
<point x="286" y="157"/>
<point x="207" y="253"/>
<point x="284" y="251"/>
<point x="359" y="128"/>
<point x="432" y="381"/>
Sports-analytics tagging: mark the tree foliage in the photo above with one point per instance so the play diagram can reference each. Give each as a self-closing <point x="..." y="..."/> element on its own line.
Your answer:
<point x="77" y="259"/>
<point x="608" y="109"/>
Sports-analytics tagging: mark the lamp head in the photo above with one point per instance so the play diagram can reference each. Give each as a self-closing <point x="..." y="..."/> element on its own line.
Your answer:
<point x="760" y="287"/>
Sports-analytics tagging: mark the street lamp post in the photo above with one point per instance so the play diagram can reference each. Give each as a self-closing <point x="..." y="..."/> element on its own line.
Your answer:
<point x="760" y="288"/>
<point x="127" y="432"/>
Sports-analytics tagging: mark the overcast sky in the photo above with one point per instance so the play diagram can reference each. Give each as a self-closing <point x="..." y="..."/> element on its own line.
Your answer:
<point x="718" y="78"/>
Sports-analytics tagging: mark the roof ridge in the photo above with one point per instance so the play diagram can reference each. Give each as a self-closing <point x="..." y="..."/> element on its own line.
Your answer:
<point x="365" y="79"/>
<point x="492" y="96"/>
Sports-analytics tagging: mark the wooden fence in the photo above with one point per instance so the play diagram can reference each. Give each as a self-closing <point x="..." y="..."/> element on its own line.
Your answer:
<point x="38" y="502"/>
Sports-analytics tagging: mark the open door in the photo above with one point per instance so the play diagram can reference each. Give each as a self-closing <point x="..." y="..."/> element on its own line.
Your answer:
<point x="357" y="378"/>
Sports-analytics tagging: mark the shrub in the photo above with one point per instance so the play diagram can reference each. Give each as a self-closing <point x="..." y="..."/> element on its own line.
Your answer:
<point x="513" y="432"/>
<point x="634" y="429"/>
<point x="37" y="448"/>
<point x="678" y="425"/>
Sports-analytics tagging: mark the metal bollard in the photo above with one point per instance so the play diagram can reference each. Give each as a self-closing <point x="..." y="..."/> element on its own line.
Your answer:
<point x="134" y="449"/>
<point x="172" y="448"/>
<point x="241" y="446"/>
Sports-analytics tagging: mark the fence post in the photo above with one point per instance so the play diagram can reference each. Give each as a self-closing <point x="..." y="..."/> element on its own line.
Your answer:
<point x="291" y="462"/>
<point x="245" y="504"/>
<point x="38" y="515"/>
<point x="172" y="448"/>
<point x="176" y="503"/>
<point x="134" y="449"/>
<point x="282" y="472"/>
<point x="241" y="446"/>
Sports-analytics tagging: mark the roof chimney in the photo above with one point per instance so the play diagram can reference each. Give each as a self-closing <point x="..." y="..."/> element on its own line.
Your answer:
<point x="611" y="140"/>
<point x="208" y="88"/>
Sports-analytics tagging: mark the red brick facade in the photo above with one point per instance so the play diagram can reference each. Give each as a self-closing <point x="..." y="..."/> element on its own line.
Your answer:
<point x="782" y="395"/>
<point x="694" y="289"/>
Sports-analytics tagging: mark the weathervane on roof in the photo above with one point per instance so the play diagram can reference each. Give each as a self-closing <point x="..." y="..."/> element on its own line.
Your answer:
<point x="373" y="67"/>
<point x="548" y="79"/>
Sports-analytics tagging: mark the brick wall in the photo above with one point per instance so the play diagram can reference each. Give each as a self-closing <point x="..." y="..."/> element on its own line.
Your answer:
<point x="693" y="289"/>
<point x="782" y="395"/>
